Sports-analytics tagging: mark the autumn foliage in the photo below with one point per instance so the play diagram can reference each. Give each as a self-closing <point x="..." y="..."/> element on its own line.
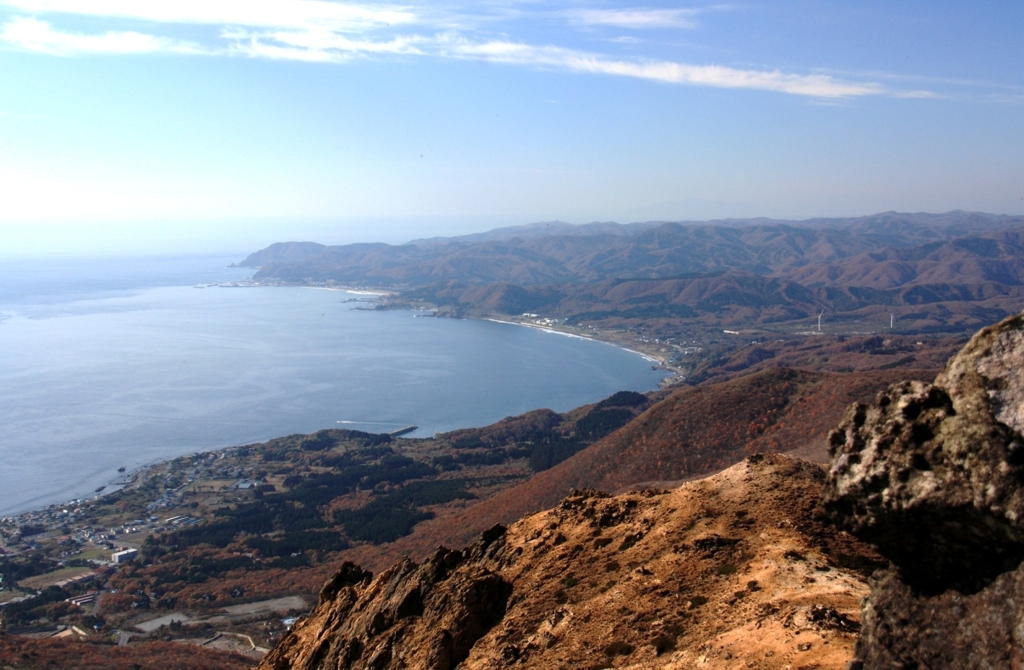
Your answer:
<point x="691" y="433"/>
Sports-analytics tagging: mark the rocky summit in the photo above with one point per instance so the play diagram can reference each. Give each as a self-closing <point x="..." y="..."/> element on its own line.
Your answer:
<point x="730" y="571"/>
<point x="933" y="475"/>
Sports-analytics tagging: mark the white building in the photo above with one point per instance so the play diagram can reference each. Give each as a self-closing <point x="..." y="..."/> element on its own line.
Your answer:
<point x="124" y="556"/>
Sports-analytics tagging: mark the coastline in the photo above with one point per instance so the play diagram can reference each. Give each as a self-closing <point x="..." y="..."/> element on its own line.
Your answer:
<point x="548" y="329"/>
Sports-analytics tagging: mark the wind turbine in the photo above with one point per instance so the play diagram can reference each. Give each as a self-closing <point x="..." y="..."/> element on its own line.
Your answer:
<point x="819" y="320"/>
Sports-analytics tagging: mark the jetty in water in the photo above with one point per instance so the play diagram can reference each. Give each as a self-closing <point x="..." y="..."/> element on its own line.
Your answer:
<point x="402" y="431"/>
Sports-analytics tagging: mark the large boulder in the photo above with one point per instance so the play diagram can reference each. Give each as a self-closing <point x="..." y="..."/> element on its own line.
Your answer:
<point x="933" y="475"/>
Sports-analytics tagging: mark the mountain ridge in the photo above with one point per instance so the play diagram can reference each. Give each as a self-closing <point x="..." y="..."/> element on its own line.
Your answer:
<point x="941" y="273"/>
<point x="715" y="572"/>
<point x="590" y="254"/>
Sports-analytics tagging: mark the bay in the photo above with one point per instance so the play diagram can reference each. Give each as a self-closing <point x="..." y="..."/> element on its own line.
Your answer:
<point x="112" y="363"/>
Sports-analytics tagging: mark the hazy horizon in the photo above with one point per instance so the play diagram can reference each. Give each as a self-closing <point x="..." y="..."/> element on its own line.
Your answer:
<point x="83" y="241"/>
<point x="239" y="240"/>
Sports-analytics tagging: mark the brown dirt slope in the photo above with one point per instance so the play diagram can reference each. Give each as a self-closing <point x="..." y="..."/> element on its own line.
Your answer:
<point x="22" y="653"/>
<point x="727" y="572"/>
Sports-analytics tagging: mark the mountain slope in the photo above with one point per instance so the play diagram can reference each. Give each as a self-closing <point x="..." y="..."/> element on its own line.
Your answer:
<point x="678" y="306"/>
<point x="946" y="273"/>
<point x="689" y="433"/>
<point x="657" y="251"/>
<point x="695" y="432"/>
<point x="996" y="257"/>
<point x="283" y="252"/>
<point x="730" y="568"/>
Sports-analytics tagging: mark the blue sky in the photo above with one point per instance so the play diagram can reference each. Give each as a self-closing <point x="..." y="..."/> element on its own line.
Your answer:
<point x="200" y="125"/>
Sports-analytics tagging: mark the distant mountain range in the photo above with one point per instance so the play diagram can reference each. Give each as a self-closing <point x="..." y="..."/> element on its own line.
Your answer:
<point x="937" y="272"/>
<point x="820" y="250"/>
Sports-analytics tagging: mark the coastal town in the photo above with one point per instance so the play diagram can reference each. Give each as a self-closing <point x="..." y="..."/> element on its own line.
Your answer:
<point x="60" y="565"/>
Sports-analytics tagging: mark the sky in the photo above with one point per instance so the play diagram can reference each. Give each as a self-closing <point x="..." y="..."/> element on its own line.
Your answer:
<point x="193" y="126"/>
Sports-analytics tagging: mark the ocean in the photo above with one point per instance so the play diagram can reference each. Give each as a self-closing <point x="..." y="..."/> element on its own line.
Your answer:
<point x="121" y="363"/>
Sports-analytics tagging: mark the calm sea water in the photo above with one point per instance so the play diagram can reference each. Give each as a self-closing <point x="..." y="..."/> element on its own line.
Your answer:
<point x="106" y="364"/>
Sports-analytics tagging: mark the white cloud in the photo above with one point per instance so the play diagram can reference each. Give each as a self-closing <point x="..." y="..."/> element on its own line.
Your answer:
<point x="920" y="94"/>
<point x="718" y="76"/>
<point x="333" y="32"/>
<point x="314" y="46"/>
<point x="279" y="14"/>
<point x="306" y="30"/>
<point x="635" y="19"/>
<point x="35" y="35"/>
<point x="257" y="46"/>
<point x="1007" y="98"/>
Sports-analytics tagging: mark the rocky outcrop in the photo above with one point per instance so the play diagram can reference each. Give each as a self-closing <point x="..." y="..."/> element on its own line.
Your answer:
<point x="933" y="475"/>
<point x="419" y="616"/>
<point x="724" y="572"/>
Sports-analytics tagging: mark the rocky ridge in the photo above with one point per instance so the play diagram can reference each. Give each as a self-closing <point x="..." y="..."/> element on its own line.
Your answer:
<point x="729" y="571"/>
